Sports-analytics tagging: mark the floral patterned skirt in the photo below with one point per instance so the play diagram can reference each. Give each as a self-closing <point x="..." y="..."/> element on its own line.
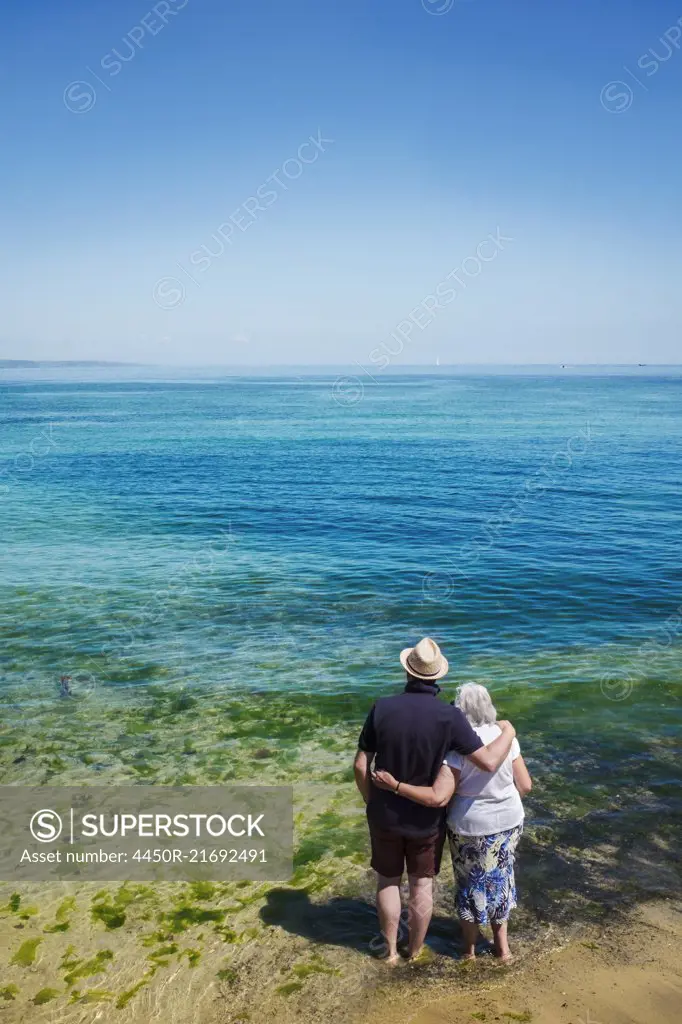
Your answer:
<point x="484" y="875"/>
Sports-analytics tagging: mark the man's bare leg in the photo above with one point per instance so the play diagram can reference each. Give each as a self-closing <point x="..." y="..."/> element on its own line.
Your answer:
<point x="388" y="909"/>
<point x="420" y="911"/>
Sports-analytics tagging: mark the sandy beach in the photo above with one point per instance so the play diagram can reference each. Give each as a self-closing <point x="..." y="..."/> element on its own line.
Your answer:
<point x="627" y="973"/>
<point x="623" y="972"/>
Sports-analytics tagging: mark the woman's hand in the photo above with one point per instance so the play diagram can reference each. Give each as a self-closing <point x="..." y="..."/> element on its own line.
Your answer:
<point x="384" y="780"/>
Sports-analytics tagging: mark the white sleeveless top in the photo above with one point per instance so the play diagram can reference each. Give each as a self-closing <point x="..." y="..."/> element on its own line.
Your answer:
<point x="485" y="802"/>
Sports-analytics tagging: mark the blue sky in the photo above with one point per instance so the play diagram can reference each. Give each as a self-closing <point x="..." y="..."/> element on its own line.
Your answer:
<point x="134" y="134"/>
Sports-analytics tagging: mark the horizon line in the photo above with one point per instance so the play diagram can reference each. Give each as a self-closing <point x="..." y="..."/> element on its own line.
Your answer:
<point x="9" y="363"/>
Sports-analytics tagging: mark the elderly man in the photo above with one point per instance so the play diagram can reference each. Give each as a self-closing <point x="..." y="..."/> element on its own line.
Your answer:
<point x="409" y="735"/>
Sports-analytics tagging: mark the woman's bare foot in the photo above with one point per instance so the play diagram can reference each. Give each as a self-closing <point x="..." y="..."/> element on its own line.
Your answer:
<point x="471" y="934"/>
<point x="500" y="941"/>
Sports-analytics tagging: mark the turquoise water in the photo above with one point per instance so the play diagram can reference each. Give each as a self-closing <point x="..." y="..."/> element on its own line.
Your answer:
<point x="228" y="567"/>
<point x="257" y="533"/>
<point x="236" y="537"/>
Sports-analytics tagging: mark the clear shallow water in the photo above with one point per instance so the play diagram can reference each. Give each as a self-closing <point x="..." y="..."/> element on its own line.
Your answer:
<point x="229" y="566"/>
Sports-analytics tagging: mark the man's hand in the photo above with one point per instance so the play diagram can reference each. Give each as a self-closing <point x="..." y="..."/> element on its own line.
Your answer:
<point x="489" y="758"/>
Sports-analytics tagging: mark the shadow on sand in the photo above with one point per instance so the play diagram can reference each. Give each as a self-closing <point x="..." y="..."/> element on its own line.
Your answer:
<point x="345" y="921"/>
<point x="582" y="871"/>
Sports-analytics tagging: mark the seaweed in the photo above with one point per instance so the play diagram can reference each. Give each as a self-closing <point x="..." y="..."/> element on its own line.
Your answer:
<point x="93" y="995"/>
<point x="186" y="916"/>
<point x="333" y="833"/>
<point x="125" y="997"/>
<point x="203" y="891"/>
<point x="66" y="907"/>
<point x="45" y="996"/>
<point x="289" y="988"/>
<point x="315" y="967"/>
<point x="111" y="910"/>
<point x="163" y="951"/>
<point x="109" y="914"/>
<point x="87" y="968"/>
<point x="26" y="953"/>
<point x="28" y="912"/>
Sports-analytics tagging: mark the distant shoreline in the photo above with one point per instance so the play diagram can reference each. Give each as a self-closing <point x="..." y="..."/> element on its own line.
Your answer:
<point x="10" y="364"/>
<point x="333" y="368"/>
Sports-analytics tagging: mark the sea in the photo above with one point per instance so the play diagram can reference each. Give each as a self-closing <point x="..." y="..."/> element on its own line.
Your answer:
<point x="208" y="574"/>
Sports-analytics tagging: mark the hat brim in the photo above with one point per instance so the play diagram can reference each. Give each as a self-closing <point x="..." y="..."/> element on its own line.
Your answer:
<point x="442" y="671"/>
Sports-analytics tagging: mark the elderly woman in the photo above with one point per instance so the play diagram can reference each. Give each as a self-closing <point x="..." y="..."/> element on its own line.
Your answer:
<point x="484" y="823"/>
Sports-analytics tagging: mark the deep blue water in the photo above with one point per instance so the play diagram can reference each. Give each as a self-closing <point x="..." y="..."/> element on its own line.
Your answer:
<point x="276" y="532"/>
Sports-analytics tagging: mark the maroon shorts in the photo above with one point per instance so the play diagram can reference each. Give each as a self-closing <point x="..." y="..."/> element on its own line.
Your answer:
<point x="391" y="852"/>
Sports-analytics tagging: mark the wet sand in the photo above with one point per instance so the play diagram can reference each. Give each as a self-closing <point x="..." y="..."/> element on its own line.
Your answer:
<point x="627" y="973"/>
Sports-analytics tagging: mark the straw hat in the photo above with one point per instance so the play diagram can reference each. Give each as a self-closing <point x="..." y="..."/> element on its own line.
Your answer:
<point x="424" y="661"/>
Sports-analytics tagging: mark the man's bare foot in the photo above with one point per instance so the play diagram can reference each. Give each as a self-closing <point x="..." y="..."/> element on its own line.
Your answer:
<point x="504" y="958"/>
<point x="421" y="956"/>
<point x="391" y="959"/>
<point x="468" y="956"/>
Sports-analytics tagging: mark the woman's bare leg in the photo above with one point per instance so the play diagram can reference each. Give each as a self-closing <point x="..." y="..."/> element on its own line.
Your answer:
<point x="471" y="933"/>
<point x="500" y="940"/>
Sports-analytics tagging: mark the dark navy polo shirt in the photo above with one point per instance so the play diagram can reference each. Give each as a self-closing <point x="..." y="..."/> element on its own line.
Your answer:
<point x="410" y="734"/>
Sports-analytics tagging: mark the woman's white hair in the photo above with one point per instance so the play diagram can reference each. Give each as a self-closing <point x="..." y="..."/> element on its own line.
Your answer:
<point x="474" y="701"/>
